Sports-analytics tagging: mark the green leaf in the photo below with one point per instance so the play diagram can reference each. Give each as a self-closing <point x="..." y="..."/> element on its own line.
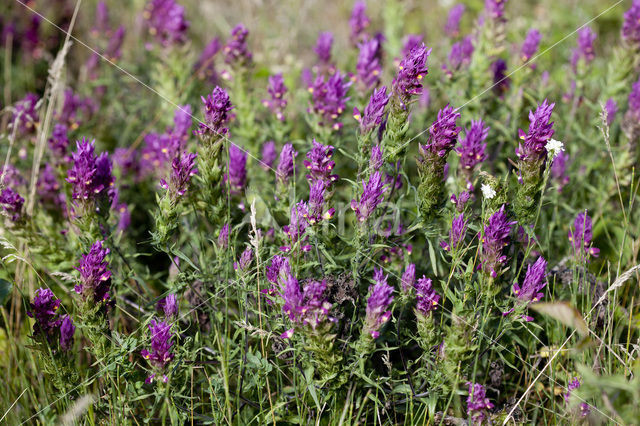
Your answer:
<point x="5" y="291"/>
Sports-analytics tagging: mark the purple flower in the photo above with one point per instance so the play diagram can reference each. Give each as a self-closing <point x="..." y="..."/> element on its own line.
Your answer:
<point x="74" y="107"/>
<point x="323" y="47"/>
<point x="276" y="103"/>
<point x="559" y="169"/>
<point x="358" y="23"/>
<point x="495" y="8"/>
<point x="158" y="152"/>
<point x="216" y="112"/>
<point x="460" y="201"/>
<point x="472" y="147"/>
<point x="530" y="45"/>
<point x="371" y="196"/>
<point x="90" y="176"/>
<point x="292" y="297"/>
<point x="456" y="233"/>
<point x="223" y="236"/>
<point x="95" y="277"/>
<point x="182" y="168"/>
<point x="379" y="300"/>
<point x="584" y="50"/>
<point x="269" y="154"/>
<point x="452" y="27"/>
<point x="369" y="65"/>
<point x="308" y="307"/>
<point x="581" y="235"/>
<point x="376" y="160"/>
<point x="610" y="110"/>
<point x="532" y="147"/>
<point x="295" y="231"/>
<point x="67" y="330"/>
<point x="460" y="56"/>
<point x="411" y="71"/>
<point x="634" y="100"/>
<point x="411" y="41"/>
<point x="25" y="115"/>
<point x="319" y="163"/>
<point x="205" y="65"/>
<point x="237" y="176"/>
<point x="426" y="297"/>
<point x="236" y="51"/>
<point x="534" y="282"/>
<point x="49" y="188"/>
<point x="10" y="176"/>
<point x="166" y="22"/>
<point x="11" y="203"/>
<point x="286" y="164"/>
<point x="329" y="98"/>
<point x="477" y="402"/>
<point x="408" y="279"/>
<point x="44" y="310"/>
<point x="101" y="22"/>
<point x="631" y="25"/>
<point x="501" y="82"/>
<point x="494" y="240"/>
<point x="161" y="344"/>
<point x="279" y="270"/>
<point x="443" y="133"/>
<point x="316" y="203"/>
<point x="245" y="260"/>
<point x="59" y="142"/>
<point x="373" y="113"/>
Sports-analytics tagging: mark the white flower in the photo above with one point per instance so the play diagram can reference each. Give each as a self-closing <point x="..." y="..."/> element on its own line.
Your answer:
<point x="487" y="191"/>
<point x="554" y="147"/>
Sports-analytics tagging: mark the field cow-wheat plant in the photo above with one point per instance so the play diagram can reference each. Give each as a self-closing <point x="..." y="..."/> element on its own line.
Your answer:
<point x="304" y="212"/>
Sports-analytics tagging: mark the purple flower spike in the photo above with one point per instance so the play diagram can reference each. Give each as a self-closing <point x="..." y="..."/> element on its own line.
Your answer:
<point x="581" y="235"/>
<point x="534" y="282"/>
<point x="297" y="227"/>
<point x="11" y="203"/>
<point x="161" y="345"/>
<point x="373" y="113"/>
<point x="573" y="385"/>
<point x="371" y="197"/>
<point x="378" y="302"/>
<point x="182" y="168"/>
<point x="460" y="56"/>
<point x="44" y="310"/>
<point x="495" y="239"/>
<point x="472" y="147"/>
<point x="329" y="98"/>
<point x="376" y="159"/>
<point x="456" y="233"/>
<point x="236" y="51"/>
<point x="530" y="45"/>
<point x="426" y="297"/>
<point x="584" y="50"/>
<point x="67" y="330"/>
<point x="166" y="22"/>
<point x="631" y="25"/>
<point x="495" y="8"/>
<point x="634" y="101"/>
<point x="610" y="110"/>
<point x="316" y="204"/>
<point x="477" y="403"/>
<point x="205" y="66"/>
<point x="279" y="270"/>
<point x="59" y="142"/>
<point x="308" y="307"/>
<point x="408" y="278"/>
<point x="223" y="236"/>
<point x="323" y="47"/>
<point x="25" y="115"/>
<point x="277" y="90"/>
<point x="443" y="133"/>
<point x="286" y="164"/>
<point x="237" y="176"/>
<point x="369" y="64"/>
<point x="168" y="306"/>
<point x="452" y="27"/>
<point x="532" y="147"/>
<point x="90" y="176"/>
<point x="411" y="71"/>
<point x="358" y="23"/>
<point x="319" y="163"/>
<point x="245" y="260"/>
<point x="559" y="169"/>
<point x="95" y="277"/>
<point x="501" y="82"/>
<point x="411" y="41"/>
<point x="269" y="154"/>
<point x="216" y="112"/>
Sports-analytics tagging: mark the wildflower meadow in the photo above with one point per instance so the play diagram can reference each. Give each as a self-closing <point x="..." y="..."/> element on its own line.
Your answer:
<point x="304" y="212"/>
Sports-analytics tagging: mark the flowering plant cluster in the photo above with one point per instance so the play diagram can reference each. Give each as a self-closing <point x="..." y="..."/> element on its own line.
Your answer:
<point x="390" y="214"/>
